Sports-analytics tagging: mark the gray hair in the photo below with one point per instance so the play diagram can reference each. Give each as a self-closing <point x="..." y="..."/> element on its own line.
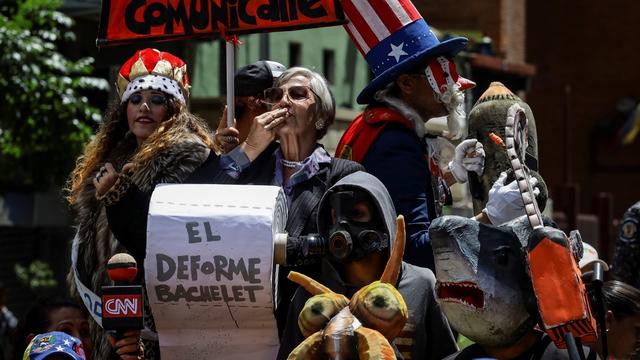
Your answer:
<point x="325" y="108"/>
<point x="452" y="99"/>
<point x="388" y="96"/>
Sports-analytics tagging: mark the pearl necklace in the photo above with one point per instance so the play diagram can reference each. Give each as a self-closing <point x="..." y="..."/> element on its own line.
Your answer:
<point x="291" y="164"/>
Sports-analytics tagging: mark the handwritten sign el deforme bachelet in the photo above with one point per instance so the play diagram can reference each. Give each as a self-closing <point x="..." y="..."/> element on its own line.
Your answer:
<point x="214" y="267"/>
<point x="209" y="268"/>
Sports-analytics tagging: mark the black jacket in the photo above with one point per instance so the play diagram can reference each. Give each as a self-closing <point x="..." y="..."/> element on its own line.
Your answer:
<point x="303" y="212"/>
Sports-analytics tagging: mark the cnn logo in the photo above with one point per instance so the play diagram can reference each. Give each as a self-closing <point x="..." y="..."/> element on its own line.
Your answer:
<point x="122" y="306"/>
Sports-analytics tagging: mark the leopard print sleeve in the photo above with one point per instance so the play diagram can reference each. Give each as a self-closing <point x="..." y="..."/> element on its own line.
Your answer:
<point x="115" y="193"/>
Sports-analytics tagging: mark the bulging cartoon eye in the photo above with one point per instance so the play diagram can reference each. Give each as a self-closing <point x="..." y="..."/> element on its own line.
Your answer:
<point x="318" y="310"/>
<point x="380" y="306"/>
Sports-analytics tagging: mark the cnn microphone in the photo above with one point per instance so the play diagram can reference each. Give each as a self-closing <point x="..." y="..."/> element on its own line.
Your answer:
<point x="122" y="302"/>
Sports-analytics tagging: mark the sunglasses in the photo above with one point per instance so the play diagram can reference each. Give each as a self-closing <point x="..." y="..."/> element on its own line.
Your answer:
<point x="137" y="99"/>
<point x="296" y="93"/>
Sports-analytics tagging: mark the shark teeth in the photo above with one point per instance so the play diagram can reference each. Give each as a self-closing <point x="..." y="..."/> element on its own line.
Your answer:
<point x="463" y="292"/>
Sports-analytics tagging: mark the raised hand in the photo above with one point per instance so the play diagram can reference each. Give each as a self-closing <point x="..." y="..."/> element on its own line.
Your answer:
<point x="226" y="138"/>
<point x="505" y="202"/>
<point x="469" y="156"/>
<point x="263" y="132"/>
<point x="129" y="347"/>
<point x="107" y="176"/>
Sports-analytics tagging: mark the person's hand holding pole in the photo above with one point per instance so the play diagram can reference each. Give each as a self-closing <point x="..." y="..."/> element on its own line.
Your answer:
<point x="505" y="201"/>
<point x="226" y="138"/>
<point x="469" y="156"/>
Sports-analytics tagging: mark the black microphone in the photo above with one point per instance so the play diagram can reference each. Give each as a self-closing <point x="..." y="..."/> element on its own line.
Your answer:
<point x="122" y="303"/>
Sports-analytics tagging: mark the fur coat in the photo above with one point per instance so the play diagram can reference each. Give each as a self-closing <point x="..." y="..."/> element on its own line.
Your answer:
<point x="94" y="239"/>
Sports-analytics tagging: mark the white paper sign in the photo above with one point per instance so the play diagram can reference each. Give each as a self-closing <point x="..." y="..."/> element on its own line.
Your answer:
<point x="208" y="269"/>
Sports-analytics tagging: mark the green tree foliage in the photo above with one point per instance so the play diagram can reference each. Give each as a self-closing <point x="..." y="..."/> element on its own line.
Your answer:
<point x="45" y="119"/>
<point x="36" y="276"/>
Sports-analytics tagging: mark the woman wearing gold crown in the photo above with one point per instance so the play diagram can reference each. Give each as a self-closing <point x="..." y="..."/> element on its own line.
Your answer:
<point x="148" y="137"/>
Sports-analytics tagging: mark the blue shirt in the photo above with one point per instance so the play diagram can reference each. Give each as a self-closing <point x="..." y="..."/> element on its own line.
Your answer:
<point x="397" y="158"/>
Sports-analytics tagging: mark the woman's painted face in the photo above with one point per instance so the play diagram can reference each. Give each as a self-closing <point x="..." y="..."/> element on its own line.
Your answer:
<point x="624" y="336"/>
<point x="146" y="109"/>
<point x="301" y="102"/>
<point x="73" y="322"/>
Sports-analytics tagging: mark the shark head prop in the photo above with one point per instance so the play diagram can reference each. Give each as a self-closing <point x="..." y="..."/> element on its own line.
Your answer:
<point x="482" y="286"/>
<point x="495" y="283"/>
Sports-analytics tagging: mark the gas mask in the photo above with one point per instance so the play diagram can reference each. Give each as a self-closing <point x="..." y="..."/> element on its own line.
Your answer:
<point x="349" y="238"/>
<point x="342" y="235"/>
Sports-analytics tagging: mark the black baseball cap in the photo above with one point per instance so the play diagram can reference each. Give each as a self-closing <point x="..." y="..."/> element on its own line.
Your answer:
<point x="253" y="79"/>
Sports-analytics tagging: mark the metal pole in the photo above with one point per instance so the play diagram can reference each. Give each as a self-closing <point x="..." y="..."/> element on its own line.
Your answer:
<point x="231" y="68"/>
<point x="572" y="347"/>
<point x="264" y="46"/>
<point x="572" y="204"/>
<point x="598" y="279"/>
<point x="568" y="134"/>
<point x="604" y="211"/>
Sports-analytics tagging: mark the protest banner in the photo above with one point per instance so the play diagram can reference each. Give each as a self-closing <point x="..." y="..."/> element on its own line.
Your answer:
<point x="208" y="269"/>
<point x="125" y="21"/>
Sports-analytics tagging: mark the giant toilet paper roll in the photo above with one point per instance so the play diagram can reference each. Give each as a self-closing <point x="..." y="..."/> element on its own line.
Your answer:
<point x="208" y="269"/>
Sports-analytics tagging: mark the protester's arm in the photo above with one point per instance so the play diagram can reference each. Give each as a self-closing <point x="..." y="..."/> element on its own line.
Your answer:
<point x="235" y="162"/>
<point x="261" y="135"/>
<point x="482" y="218"/>
<point x="127" y="216"/>
<point x="468" y="156"/>
<point x="263" y="132"/>
<point x="126" y="207"/>
<point x="397" y="159"/>
<point x="225" y="138"/>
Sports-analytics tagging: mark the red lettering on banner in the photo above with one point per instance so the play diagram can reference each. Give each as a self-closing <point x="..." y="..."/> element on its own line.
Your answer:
<point x="128" y="20"/>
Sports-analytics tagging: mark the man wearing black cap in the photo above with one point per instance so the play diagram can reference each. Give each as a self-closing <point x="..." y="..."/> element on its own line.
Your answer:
<point x="250" y="83"/>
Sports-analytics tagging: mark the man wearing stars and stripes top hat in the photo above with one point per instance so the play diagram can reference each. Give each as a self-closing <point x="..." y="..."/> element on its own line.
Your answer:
<point x="415" y="80"/>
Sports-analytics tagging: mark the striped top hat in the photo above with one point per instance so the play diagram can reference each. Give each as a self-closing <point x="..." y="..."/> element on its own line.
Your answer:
<point x="393" y="37"/>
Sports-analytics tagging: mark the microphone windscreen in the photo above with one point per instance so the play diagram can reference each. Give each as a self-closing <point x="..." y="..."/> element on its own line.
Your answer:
<point x="122" y="258"/>
<point x="122" y="268"/>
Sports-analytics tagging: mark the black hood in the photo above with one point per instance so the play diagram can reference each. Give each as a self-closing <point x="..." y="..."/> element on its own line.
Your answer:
<point x="370" y="184"/>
